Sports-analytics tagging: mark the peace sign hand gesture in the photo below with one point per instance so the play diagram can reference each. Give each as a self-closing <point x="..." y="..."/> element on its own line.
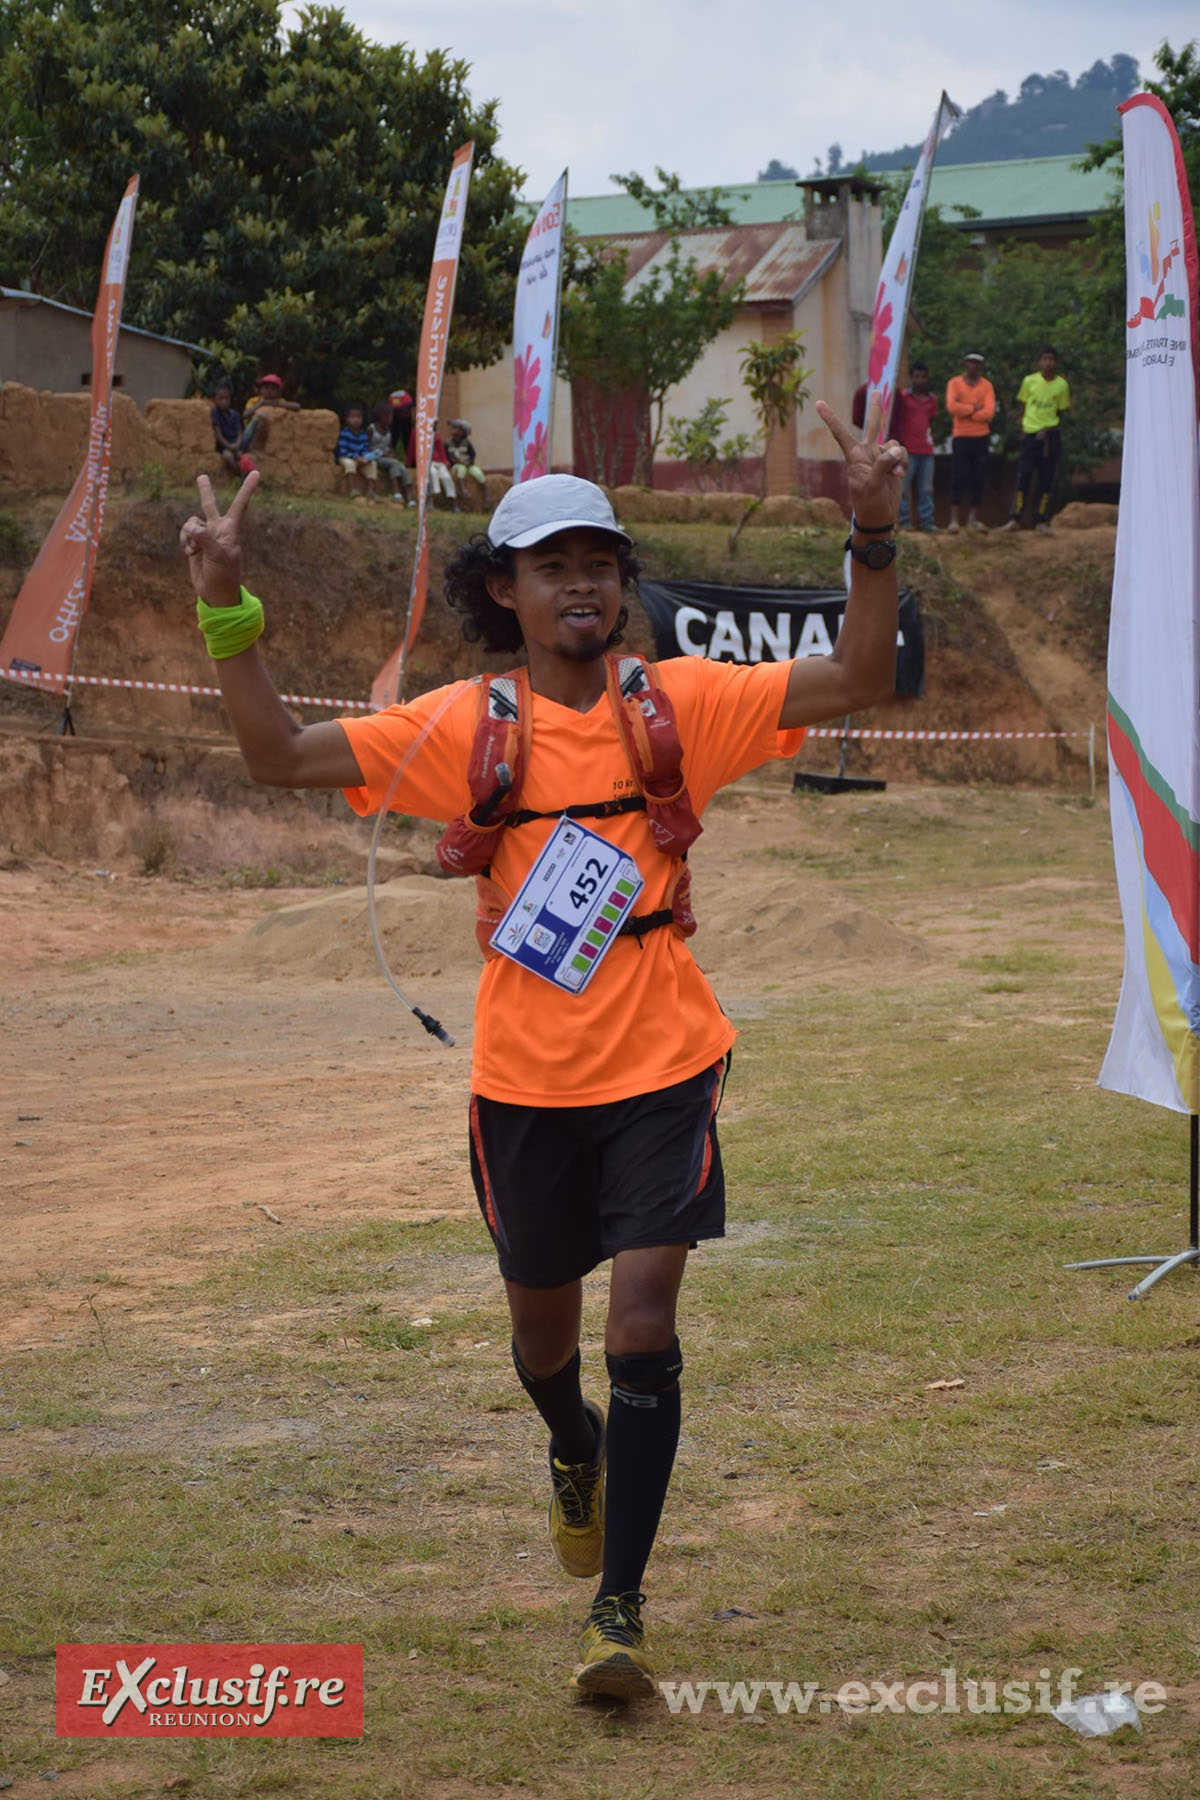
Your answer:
<point x="212" y="544"/>
<point x="875" y="471"/>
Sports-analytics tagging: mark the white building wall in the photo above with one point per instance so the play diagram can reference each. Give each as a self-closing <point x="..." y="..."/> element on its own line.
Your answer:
<point x="485" y="397"/>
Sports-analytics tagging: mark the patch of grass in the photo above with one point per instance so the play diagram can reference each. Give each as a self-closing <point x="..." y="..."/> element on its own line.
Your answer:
<point x="155" y="848"/>
<point x="152" y="479"/>
<point x="909" y="1167"/>
<point x="15" y="547"/>
<point x="273" y="875"/>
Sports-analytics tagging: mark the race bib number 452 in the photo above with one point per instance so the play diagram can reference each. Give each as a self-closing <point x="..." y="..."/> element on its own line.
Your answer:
<point x="570" y="907"/>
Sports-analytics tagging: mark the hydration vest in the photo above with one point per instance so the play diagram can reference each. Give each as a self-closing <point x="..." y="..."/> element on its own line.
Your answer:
<point x="645" y="719"/>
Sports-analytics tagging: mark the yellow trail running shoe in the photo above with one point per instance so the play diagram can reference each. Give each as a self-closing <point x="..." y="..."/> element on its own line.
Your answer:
<point x="613" y="1660"/>
<point x="577" y="1505"/>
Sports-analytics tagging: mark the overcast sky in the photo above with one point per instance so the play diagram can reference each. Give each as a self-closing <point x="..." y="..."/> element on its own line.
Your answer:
<point x="715" y="91"/>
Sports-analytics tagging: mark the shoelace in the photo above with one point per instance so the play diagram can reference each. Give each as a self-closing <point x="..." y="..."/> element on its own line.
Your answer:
<point x="575" y="1484"/>
<point x="619" y="1616"/>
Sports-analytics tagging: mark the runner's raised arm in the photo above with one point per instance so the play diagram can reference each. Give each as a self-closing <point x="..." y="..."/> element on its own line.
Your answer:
<point x="277" y="751"/>
<point x="862" y="668"/>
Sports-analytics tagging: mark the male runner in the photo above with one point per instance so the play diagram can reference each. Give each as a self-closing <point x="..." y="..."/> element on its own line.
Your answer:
<point x="592" y="1113"/>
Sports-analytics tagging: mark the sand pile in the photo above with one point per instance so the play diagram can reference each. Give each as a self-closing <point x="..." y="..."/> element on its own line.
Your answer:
<point x="427" y="927"/>
<point x="758" y="933"/>
<point x="770" y="932"/>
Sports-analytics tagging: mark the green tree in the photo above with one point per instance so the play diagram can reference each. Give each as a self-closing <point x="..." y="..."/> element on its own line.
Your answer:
<point x="712" y="460"/>
<point x="634" y="343"/>
<point x="1010" y="300"/>
<point x="777" y="382"/>
<point x="1049" y="117"/>
<point x="290" y="183"/>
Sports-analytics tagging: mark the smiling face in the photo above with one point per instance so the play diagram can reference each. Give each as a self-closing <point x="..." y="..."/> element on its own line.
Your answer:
<point x="566" y="593"/>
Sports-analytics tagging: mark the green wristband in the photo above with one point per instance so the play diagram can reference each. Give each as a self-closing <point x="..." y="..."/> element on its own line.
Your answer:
<point x="230" y="629"/>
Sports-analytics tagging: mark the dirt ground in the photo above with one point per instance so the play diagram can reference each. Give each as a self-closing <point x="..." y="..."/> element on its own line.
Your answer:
<point x="183" y="1050"/>
<point x="190" y="1068"/>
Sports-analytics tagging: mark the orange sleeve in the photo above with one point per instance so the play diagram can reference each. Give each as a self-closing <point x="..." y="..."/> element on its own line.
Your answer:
<point x="436" y="730"/>
<point x="955" y="404"/>
<point x="728" y="718"/>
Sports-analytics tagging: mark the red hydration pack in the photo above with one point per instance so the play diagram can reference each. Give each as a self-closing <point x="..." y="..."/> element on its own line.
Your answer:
<point x="496" y="772"/>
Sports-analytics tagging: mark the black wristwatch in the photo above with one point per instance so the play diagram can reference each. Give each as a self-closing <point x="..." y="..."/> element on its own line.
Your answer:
<point x="877" y="556"/>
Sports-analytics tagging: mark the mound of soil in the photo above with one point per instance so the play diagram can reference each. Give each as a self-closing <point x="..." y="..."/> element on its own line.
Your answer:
<point x="1015" y="631"/>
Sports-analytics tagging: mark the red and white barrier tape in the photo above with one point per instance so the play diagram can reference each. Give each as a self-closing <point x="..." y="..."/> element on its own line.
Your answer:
<point x="37" y="678"/>
<point x="836" y="731"/>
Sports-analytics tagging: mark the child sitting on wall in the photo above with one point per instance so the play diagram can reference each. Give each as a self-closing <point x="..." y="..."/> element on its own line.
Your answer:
<point x="464" y="464"/>
<point x="380" y="434"/>
<point x="227" y="432"/>
<point x="354" y="455"/>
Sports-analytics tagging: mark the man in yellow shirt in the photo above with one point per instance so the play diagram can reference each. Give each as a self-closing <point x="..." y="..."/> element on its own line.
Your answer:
<point x="1043" y="398"/>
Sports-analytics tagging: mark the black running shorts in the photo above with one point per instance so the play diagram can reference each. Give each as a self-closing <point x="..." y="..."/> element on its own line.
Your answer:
<point x="562" y="1188"/>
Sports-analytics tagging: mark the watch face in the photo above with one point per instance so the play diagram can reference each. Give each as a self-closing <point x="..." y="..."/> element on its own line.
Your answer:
<point x="877" y="555"/>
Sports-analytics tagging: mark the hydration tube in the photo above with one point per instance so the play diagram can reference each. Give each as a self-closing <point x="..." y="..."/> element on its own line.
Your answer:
<point x="433" y="1026"/>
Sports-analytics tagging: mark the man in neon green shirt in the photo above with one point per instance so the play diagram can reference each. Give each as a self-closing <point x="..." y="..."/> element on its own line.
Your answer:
<point x="1043" y="398"/>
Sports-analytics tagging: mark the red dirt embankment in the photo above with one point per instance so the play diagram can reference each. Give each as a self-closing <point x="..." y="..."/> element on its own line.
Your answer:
<point x="1014" y="630"/>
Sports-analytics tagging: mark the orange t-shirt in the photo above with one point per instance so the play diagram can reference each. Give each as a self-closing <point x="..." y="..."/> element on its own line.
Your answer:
<point x="971" y="407"/>
<point x="648" y="1017"/>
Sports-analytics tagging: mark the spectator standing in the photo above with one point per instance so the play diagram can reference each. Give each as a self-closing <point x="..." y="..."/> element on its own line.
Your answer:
<point x="256" y="418"/>
<point x="464" y="464"/>
<point x="401" y="403"/>
<point x="913" y="413"/>
<point x="353" y="454"/>
<point x="227" y="431"/>
<point x="380" y="434"/>
<point x="1043" y="397"/>
<point x="971" y="403"/>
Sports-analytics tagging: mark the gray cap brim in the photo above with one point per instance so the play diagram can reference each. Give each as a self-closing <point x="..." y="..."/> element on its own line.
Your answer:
<point x="525" y="540"/>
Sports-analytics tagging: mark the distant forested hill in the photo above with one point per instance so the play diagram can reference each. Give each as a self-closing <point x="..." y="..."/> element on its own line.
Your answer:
<point x="1051" y="116"/>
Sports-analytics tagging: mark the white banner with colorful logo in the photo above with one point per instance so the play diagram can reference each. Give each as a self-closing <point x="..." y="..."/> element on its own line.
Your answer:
<point x="535" y="336"/>
<point x="388" y="685"/>
<point x="38" y="646"/>
<point x="1154" y="637"/>
<point x="895" y="281"/>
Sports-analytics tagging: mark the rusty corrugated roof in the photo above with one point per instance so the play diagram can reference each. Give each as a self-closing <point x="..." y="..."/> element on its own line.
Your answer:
<point x="778" y="263"/>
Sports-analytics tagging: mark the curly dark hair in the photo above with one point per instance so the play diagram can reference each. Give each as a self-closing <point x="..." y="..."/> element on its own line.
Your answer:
<point x="496" y="627"/>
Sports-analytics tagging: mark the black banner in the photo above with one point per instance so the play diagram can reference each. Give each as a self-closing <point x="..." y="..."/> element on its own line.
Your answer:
<point x="767" y="624"/>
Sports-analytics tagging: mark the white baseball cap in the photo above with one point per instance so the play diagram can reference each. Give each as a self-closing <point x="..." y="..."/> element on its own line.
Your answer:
<point x="533" y="510"/>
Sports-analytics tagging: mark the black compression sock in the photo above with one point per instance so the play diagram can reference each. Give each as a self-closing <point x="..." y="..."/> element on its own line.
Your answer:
<point x="560" y="1401"/>
<point x="643" y="1434"/>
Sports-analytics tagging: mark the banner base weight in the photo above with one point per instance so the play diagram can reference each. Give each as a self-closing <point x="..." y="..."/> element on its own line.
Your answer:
<point x="837" y="784"/>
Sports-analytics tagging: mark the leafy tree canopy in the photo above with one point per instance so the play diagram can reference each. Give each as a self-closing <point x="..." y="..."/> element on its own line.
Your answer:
<point x="1012" y="300"/>
<point x="778" y="171"/>
<point x="290" y="183"/>
<point x="1051" y="116"/>
<point x="638" y="344"/>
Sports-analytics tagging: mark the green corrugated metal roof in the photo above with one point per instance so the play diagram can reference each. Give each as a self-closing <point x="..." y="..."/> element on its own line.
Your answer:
<point x="1022" y="191"/>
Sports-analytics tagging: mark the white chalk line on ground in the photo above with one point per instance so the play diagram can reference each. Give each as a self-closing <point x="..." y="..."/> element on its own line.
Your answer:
<point x="41" y="678"/>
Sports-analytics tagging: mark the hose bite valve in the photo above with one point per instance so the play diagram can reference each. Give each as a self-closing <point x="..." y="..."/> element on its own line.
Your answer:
<point x="433" y="1026"/>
